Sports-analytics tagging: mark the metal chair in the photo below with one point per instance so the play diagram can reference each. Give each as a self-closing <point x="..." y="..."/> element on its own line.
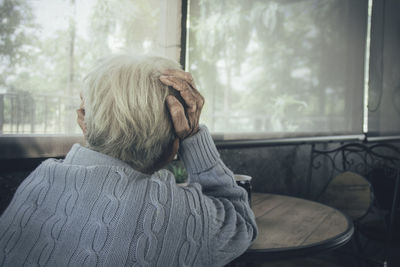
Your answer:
<point x="365" y="160"/>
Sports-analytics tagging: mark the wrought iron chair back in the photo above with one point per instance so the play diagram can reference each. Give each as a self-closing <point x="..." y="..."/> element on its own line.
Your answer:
<point x="361" y="158"/>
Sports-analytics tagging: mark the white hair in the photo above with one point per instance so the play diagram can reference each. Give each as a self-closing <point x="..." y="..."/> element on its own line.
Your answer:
<point x="125" y="112"/>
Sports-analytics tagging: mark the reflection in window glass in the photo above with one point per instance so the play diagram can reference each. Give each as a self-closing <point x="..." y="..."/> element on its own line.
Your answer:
<point x="279" y="67"/>
<point x="47" y="46"/>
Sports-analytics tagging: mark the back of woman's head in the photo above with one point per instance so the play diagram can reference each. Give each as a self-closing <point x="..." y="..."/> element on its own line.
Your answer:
<point x="125" y="112"/>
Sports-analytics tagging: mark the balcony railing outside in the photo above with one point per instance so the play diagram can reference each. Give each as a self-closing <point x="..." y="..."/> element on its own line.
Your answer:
<point x="25" y="113"/>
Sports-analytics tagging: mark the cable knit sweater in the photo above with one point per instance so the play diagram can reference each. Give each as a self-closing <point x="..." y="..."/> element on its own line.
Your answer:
<point x="94" y="210"/>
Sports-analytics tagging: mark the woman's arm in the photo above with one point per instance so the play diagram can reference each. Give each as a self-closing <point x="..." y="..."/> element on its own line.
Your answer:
<point x="230" y="220"/>
<point x="227" y="215"/>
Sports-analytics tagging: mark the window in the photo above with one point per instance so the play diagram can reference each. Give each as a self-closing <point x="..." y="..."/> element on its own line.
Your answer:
<point x="384" y="70"/>
<point x="271" y="68"/>
<point x="267" y="68"/>
<point x="46" y="46"/>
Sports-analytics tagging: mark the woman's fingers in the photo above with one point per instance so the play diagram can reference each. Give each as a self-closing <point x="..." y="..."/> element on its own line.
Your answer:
<point x="190" y="100"/>
<point x="194" y="101"/>
<point x="176" y="82"/>
<point x="184" y="89"/>
<point x="179" y="120"/>
<point x="186" y="76"/>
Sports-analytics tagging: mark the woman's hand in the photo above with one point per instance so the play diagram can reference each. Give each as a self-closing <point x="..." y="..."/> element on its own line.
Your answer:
<point x="185" y="125"/>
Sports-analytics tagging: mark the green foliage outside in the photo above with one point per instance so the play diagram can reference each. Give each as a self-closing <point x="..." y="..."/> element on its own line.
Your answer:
<point x="263" y="66"/>
<point x="48" y="64"/>
<point x="274" y="66"/>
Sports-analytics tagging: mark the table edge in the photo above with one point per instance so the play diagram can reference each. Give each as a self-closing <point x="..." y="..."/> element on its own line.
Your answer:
<point x="304" y="250"/>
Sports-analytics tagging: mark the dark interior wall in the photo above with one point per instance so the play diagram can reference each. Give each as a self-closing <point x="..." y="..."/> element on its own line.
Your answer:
<point x="9" y="182"/>
<point x="287" y="169"/>
<point x="12" y="173"/>
<point x="280" y="169"/>
<point x="275" y="169"/>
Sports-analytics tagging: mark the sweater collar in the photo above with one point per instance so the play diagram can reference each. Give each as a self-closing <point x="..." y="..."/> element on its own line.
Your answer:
<point x="79" y="155"/>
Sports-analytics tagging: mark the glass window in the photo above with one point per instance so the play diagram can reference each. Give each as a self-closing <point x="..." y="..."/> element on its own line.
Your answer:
<point x="47" y="46"/>
<point x="384" y="71"/>
<point x="279" y="68"/>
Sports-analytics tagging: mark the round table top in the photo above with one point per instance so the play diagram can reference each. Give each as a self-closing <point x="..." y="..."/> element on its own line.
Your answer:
<point x="290" y="227"/>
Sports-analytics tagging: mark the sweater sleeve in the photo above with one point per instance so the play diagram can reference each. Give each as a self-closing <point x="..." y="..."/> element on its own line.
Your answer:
<point x="230" y="220"/>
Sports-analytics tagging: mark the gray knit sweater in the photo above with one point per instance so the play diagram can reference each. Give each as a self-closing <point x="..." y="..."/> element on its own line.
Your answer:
<point x="94" y="210"/>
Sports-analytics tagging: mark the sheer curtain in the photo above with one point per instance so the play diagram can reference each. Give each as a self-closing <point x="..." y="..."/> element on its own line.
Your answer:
<point x="279" y="68"/>
<point x="47" y="46"/>
<point x="384" y="75"/>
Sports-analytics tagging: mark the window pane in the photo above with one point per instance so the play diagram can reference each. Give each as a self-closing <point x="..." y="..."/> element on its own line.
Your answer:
<point x="279" y="67"/>
<point x="47" y="46"/>
<point x="384" y="75"/>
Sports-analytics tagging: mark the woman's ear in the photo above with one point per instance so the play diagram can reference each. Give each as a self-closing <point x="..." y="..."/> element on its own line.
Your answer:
<point x="81" y="115"/>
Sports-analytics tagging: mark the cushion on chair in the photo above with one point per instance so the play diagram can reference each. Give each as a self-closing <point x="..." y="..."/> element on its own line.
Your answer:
<point x="350" y="193"/>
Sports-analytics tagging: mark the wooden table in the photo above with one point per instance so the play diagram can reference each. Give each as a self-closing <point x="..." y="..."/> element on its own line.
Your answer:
<point x="293" y="227"/>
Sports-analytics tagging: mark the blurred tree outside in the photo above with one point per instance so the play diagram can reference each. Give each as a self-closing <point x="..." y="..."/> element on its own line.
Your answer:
<point x="263" y="66"/>
<point x="16" y="39"/>
<point x="47" y="47"/>
<point x="272" y="66"/>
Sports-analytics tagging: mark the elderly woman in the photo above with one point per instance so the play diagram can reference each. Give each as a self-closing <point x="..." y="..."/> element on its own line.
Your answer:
<point x="110" y="203"/>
